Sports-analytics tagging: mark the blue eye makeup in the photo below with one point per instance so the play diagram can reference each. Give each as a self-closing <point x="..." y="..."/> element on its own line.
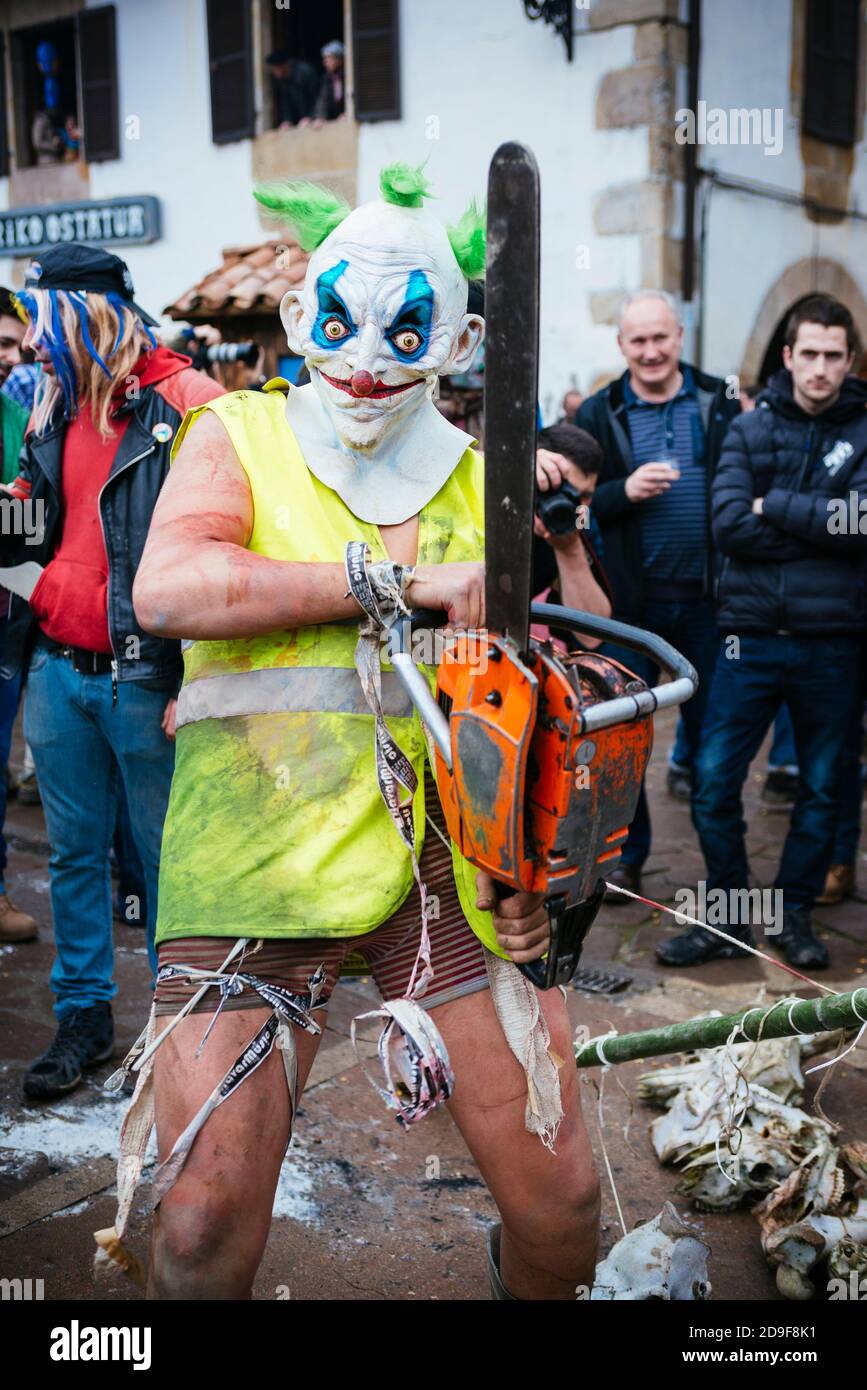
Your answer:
<point x="333" y="323"/>
<point x="409" y="332"/>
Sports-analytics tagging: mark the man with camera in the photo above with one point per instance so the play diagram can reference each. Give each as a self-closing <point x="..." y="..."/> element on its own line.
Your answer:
<point x="661" y="426"/>
<point x="564" y="558"/>
<point x="235" y="366"/>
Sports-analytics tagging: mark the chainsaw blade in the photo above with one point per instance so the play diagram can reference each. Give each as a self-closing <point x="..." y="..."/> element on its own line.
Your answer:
<point x="511" y="388"/>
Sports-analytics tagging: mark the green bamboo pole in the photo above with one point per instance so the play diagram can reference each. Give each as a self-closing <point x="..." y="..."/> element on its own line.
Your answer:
<point x="783" y="1020"/>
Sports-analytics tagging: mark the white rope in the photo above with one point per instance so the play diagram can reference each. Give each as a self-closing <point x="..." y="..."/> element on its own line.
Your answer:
<point x="597" y="1042"/>
<point x="188" y="1007"/>
<point x="599" y="1125"/>
<point x="732" y="940"/>
<point x="820" y="1066"/>
<point x="433" y="825"/>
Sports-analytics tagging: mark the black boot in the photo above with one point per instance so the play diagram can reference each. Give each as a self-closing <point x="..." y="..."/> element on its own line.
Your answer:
<point x="678" y="780"/>
<point x="798" y="943"/>
<point x="84" y="1038"/>
<point x="780" y="789"/>
<point x="698" y="945"/>
<point x="625" y="876"/>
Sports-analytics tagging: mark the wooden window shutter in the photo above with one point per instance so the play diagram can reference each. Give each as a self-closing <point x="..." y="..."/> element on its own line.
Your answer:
<point x="97" y="83"/>
<point x="4" y="137"/>
<point x="831" y="71"/>
<point x="376" y="60"/>
<point x="230" y="58"/>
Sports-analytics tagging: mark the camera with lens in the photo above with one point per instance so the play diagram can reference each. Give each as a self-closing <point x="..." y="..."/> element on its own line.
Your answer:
<point x="233" y="352"/>
<point x="558" y="509"/>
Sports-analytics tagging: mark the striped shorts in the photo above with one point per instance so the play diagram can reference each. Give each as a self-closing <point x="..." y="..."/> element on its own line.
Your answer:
<point x="388" y="953"/>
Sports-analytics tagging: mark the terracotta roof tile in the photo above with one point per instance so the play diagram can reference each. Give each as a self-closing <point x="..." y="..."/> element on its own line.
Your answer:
<point x="276" y="288"/>
<point x="234" y="274"/>
<point x="248" y="277"/>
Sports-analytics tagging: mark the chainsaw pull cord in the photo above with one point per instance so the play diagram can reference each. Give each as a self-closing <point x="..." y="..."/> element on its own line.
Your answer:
<point x="409" y="1044"/>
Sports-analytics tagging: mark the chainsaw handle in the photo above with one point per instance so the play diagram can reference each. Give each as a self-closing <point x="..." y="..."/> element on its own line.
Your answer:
<point x="425" y="617"/>
<point x="681" y="687"/>
<point x="414" y="681"/>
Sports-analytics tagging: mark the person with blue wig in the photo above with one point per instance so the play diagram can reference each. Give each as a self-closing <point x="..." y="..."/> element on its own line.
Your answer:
<point x="100" y="698"/>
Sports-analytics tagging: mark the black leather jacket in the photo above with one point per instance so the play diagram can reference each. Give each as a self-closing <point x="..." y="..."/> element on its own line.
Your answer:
<point x="126" y="504"/>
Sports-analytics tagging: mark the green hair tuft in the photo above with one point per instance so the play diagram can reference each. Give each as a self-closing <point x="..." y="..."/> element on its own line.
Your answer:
<point x="310" y="210"/>
<point x="467" y="238"/>
<point x="405" y="185"/>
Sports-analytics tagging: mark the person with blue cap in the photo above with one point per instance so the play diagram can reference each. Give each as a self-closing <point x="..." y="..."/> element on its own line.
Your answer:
<point x="99" y="707"/>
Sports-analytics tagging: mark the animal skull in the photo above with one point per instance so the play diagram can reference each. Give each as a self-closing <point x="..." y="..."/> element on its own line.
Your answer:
<point x="661" y="1259"/>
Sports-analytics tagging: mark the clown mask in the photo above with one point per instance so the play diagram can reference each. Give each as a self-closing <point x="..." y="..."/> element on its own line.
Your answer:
<point x="382" y="314"/>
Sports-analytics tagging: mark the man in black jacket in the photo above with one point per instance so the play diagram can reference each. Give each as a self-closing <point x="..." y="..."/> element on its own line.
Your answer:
<point x="295" y="85"/>
<point x="790" y="519"/>
<point x="661" y="427"/>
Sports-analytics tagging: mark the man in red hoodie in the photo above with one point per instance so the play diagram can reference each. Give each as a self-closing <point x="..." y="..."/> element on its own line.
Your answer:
<point x="100" y="691"/>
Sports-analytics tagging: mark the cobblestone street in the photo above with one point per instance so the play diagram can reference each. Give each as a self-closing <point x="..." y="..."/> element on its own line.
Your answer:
<point x="363" y="1210"/>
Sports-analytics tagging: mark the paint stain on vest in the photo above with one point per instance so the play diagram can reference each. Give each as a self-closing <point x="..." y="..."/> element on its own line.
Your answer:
<point x="286" y="653"/>
<point x="440" y="533"/>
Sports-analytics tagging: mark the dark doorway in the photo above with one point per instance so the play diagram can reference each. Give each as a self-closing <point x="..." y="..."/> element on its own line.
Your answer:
<point x="773" y="358"/>
<point x="304" y="29"/>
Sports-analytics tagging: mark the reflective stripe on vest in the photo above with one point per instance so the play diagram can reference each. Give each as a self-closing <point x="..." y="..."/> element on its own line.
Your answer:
<point x="278" y="690"/>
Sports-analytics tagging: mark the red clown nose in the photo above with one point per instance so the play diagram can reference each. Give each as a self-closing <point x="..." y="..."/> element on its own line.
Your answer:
<point x="362" y="383"/>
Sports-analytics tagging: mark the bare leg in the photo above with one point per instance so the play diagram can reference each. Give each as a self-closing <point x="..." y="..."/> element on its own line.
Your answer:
<point x="210" y="1229"/>
<point x="549" y="1202"/>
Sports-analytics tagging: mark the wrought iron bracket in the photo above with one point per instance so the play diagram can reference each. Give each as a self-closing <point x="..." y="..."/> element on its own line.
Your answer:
<point x="557" y="13"/>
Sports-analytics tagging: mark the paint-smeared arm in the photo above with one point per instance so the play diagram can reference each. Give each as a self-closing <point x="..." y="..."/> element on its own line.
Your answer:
<point x="197" y="578"/>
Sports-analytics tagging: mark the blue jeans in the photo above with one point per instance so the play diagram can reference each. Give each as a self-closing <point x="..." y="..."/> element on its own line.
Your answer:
<point x="131" y="902"/>
<point x="817" y="678"/>
<point x="80" y="742"/>
<point x="690" y="627"/>
<point x="9" y="693"/>
<point x="781" y="753"/>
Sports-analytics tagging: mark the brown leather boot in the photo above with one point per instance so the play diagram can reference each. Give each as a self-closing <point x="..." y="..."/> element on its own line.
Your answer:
<point x="839" y="884"/>
<point x="14" y="924"/>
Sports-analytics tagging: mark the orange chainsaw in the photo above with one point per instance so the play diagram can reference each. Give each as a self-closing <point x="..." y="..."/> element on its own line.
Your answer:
<point x="539" y="755"/>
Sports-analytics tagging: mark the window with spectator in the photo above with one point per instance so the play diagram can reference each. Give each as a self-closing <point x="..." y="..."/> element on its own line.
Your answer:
<point x="46" y="77"/>
<point x="306" y="65"/>
<point x="65" y="89"/>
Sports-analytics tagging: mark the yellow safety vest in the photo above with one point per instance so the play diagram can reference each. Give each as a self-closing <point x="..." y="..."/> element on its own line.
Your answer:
<point x="276" y="826"/>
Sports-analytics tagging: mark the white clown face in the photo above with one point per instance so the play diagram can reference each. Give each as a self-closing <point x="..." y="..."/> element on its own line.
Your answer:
<point x="381" y="315"/>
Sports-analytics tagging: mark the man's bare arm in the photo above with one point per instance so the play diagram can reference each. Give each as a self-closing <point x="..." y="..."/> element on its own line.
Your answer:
<point x="198" y="580"/>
